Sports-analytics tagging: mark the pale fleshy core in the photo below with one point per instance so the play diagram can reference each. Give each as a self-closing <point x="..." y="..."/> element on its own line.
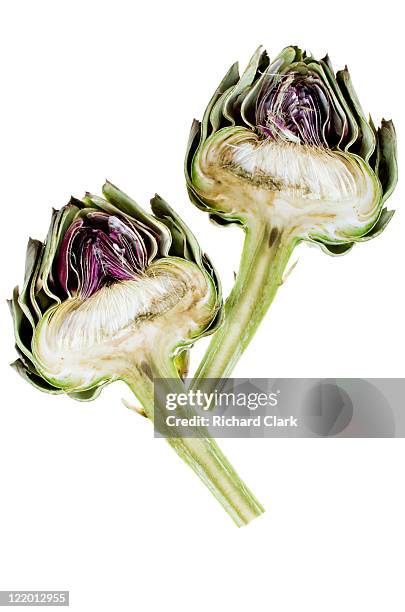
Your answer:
<point x="306" y="190"/>
<point x="82" y="341"/>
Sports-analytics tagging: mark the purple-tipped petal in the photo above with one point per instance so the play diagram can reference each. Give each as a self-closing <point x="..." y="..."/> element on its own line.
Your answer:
<point x="64" y="264"/>
<point x="297" y="108"/>
<point x="99" y="249"/>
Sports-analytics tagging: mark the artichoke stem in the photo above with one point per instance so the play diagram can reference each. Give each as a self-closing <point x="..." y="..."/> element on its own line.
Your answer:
<point x="202" y="454"/>
<point x="264" y="258"/>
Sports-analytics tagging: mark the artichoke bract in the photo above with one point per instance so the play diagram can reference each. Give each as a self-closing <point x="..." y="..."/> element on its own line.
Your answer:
<point x="116" y="293"/>
<point x="286" y="151"/>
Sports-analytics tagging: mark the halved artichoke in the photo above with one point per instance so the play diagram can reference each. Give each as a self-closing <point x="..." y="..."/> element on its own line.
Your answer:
<point x="112" y="290"/>
<point x="116" y="293"/>
<point x="288" y="143"/>
<point x="285" y="151"/>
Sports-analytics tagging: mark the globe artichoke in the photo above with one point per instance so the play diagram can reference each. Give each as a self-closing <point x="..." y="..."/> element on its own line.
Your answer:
<point x="286" y="152"/>
<point x="116" y="293"/>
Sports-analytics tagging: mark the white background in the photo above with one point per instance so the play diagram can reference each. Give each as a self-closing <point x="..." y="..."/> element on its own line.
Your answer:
<point x="89" y="500"/>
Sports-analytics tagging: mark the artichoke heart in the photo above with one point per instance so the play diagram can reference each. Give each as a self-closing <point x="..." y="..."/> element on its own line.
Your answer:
<point x="81" y="341"/>
<point x="305" y="190"/>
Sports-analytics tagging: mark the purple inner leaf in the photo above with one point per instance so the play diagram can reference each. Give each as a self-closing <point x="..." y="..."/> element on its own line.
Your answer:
<point x="298" y="108"/>
<point x="99" y="249"/>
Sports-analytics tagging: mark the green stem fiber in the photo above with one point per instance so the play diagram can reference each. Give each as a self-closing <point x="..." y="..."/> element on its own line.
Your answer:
<point x="202" y="454"/>
<point x="264" y="258"/>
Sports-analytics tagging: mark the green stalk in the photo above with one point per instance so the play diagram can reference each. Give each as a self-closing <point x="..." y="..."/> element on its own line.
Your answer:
<point x="202" y="454"/>
<point x="264" y="258"/>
